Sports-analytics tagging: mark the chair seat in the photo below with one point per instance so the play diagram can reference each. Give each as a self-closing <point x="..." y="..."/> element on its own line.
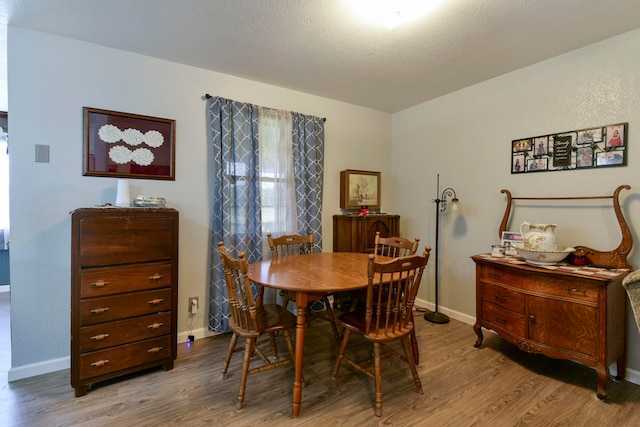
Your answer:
<point x="355" y="321"/>
<point x="270" y="318"/>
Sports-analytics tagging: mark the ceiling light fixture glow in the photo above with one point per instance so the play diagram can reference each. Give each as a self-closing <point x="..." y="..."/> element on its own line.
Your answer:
<point x="392" y="13"/>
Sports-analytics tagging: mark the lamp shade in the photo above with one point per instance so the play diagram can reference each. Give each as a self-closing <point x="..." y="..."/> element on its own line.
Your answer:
<point x="455" y="207"/>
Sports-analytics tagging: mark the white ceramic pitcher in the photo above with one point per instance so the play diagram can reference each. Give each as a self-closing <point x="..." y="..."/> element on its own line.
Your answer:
<point x="539" y="237"/>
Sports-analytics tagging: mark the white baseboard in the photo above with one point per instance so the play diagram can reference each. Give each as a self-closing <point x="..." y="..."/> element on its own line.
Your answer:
<point x="45" y="367"/>
<point x="464" y="318"/>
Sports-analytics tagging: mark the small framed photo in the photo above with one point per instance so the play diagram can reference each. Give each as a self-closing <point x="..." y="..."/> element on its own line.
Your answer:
<point x="518" y="163"/>
<point x="537" y="165"/>
<point x="589" y="136"/>
<point x="127" y="145"/>
<point x="541" y="145"/>
<point x="509" y="238"/>
<point x="584" y="157"/>
<point x="521" y="145"/>
<point x="615" y="136"/>
<point x="610" y="158"/>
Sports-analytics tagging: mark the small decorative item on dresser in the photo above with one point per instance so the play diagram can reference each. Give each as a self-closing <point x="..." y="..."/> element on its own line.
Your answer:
<point x="497" y="251"/>
<point x="579" y="257"/>
<point x="149" y="202"/>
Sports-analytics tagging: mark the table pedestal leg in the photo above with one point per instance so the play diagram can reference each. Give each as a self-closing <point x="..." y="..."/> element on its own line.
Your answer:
<point x="301" y="319"/>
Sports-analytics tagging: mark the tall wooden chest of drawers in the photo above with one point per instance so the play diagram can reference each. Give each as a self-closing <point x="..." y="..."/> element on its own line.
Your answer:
<point x="124" y="292"/>
<point x="357" y="233"/>
<point x="564" y="312"/>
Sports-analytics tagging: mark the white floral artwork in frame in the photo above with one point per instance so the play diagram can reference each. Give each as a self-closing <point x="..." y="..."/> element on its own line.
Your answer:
<point x="128" y="145"/>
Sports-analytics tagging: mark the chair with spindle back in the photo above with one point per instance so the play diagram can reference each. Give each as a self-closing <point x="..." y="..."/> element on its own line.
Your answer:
<point x="251" y="320"/>
<point x="391" y="292"/>
<point x="296" y="244"/>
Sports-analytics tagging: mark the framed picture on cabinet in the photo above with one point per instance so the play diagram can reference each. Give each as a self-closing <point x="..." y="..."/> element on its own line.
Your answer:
<point x="359" y="188"/>
<point x="127" y="145"/>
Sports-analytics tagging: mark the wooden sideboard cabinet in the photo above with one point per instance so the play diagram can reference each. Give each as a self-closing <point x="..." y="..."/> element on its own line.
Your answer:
<point x="356" y="233"/>
<point x="567" y="312"/>
<point x="124" y="292"/>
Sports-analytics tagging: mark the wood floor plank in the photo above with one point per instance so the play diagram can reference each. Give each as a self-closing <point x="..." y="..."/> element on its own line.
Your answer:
<point x="495" y="385"/>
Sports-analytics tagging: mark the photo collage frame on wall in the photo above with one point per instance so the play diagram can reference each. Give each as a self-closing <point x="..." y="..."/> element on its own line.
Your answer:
<point x="596" y="147"/>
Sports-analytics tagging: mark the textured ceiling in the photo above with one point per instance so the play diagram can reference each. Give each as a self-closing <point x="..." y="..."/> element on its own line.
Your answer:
<point x="320" y="47"/>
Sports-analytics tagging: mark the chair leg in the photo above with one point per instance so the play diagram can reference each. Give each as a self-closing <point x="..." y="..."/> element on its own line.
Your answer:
<point x="232" y="347"/>
<point x="412" y="364"/>
<point x="377" y="369"/>
<point x="414" y="343"/>
<point x="287" y="338"/>
<point x="343" y="347"/>
<point x="332" y="319"/>
<point x="274" y="347"/>
<point x="248" y="352"/>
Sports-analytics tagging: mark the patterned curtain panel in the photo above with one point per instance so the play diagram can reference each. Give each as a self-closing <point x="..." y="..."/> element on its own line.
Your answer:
<point x="235" y="194"/>
<point x="308" y="160"/>
<point x="235" y="187"/>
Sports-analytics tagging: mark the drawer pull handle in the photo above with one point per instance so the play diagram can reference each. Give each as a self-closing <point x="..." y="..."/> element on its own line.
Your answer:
<point x="500" y="298"/>
<point x="99" y="310"/>
<point x="156" y="276"/>
<point x="582" y="291"/>
<point x="532" y="318"/>
<point x="100" y="283"/>
<point x="156" y="301"/>
<point x="154" y="350"/>
<point x="100" y="363"/>
<point x="155" y="325"/>
<point x="501" y="320"/>
<point x="99" y="337"/>
<point x="493" y="274"/>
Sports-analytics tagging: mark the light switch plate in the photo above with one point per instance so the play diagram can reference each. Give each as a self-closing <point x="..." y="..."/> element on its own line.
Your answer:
<point x="42" y="153"/>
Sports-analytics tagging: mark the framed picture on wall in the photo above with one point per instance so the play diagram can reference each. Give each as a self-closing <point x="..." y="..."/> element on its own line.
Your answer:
<point x="127" y="145"/>
<point x="359" y="188"/>
<point x="592" y="147"/>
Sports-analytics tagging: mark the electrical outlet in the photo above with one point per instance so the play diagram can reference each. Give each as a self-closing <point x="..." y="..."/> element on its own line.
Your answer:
<point x="194" y="305"/>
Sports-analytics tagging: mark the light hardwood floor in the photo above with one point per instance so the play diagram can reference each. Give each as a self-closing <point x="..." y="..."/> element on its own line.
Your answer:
<point x="496" y="385"/>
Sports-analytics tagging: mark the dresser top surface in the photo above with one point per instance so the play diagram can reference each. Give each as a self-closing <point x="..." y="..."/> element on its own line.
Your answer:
<point x="584" y="271"/>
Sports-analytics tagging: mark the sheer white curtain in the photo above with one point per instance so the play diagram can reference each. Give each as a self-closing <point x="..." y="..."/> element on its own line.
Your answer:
<point x="277" y="180"/>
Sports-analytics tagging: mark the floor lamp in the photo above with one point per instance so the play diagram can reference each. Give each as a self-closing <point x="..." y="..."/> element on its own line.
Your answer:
<point x="441" y="201"/>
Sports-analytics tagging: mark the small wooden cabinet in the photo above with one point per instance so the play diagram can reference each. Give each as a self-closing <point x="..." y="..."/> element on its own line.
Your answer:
<point x="567" y="312"/>
<point x="356" y="233"/>
<point x="124" y="291"/>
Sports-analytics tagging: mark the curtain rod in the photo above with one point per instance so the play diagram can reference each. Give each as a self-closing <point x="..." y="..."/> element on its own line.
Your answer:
<point x="207" y="96"/>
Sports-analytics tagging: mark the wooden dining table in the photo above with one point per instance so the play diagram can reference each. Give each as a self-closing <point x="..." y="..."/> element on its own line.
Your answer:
<point x="304" y="277"/>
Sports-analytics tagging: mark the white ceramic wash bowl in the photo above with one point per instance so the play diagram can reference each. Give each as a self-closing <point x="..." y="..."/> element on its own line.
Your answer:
<point x="543" y="257"/>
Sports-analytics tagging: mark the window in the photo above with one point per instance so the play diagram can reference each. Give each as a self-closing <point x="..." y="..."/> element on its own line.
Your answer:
<point x="277" y="183"/>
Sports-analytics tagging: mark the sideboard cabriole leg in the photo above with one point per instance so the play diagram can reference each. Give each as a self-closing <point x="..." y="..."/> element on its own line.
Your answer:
<point x="603" y="377"/>
<point x="478" y="330"/>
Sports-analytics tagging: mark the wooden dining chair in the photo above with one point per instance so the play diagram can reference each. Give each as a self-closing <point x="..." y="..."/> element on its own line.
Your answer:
<point x="251" y="321"/>
<point x="391" y="292"/>
<point x="392" y="247"/>
<point x="296" y="244"/>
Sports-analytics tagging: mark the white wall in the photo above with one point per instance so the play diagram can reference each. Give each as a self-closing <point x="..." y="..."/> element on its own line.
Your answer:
<point x="466" y="137"/>
<point x="50" y="80"/>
